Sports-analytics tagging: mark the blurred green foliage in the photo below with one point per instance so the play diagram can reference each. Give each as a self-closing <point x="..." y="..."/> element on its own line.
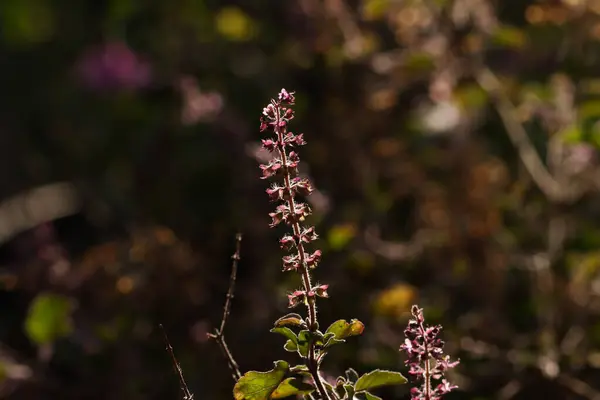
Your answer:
<point x="48" y="318"/>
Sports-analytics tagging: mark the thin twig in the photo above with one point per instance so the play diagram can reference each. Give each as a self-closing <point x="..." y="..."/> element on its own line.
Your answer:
<point x="218" y="335"/>
<point x="232" y="278"/>
<point x="187" y="395"/>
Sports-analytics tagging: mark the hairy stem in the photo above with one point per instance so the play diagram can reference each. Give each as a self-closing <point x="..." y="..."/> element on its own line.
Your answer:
<point x="304" y="271"/>
<point x="427" y="377"/>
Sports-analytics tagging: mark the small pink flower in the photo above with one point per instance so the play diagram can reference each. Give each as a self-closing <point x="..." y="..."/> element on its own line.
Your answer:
<point x="286" y="97"/>
<point x="291" y="263"/>
<point x="321" y="290"/>
<point x="287" y="242"/>
<point x="309" y="235"/>
<point x="296" y="298"/>
<point x="313" y="259"/>
<point x="269" y="144"/>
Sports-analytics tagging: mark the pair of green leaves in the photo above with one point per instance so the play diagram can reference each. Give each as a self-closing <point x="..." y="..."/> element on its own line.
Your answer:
<point x="300" y="343"/>
<point x="277" y="384"/>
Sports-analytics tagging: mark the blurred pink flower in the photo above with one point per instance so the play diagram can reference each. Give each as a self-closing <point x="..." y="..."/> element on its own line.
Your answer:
<point x="112" y="66"/>
<point x="198" y="106"/>
<point x="579" y="158"/>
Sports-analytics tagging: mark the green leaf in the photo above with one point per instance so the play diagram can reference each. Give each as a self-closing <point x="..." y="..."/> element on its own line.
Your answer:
<point x="260" y="385"/>
<point x="49" y="318"/>
<point x="343" y="329"/>
<point x="330" y="389"/>
<point x="287" y="332"/>
<point x="299" y="368"/>
<point x="351" y="375"/>
<point x="290" y="320"/>
<point x="340" y="391"/>
<point x="318" y="337"/>
<point x="291" y="387"/>
<point x="378" y="378"/>
<point x="366" y="396"/>
<point x="291" y="346"/>
<point x="304" y="339"/>
<point x="329" y="340"/>
<point x="349" y="391"/>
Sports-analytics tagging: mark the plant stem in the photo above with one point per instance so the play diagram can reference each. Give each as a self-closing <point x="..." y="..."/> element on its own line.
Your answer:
<point x="314" y="370"/>
<point x="304" y="272"/>
<point x="427" y="377"/>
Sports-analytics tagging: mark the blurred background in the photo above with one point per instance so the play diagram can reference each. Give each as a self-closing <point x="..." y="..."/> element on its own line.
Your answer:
<point x="454" y="146"/>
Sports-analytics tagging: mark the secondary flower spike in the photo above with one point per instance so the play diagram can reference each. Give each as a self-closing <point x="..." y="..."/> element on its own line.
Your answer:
<point x="426" y="359"/>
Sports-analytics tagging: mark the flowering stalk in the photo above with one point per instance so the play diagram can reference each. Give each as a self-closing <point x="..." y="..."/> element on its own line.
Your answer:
<point x="276" y="116"/>
<point x="426" y="358"/>
<point x="309" y="343"/>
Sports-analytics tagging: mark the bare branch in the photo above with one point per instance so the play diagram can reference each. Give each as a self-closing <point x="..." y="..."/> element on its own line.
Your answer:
<point x="218" y="335"/>
<point x="187" y="395"/>
<point x="232" y="278"/>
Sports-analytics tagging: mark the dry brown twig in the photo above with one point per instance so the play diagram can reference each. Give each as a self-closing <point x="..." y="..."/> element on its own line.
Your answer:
<point x="187" y="395"/>
<point x="218" y="335"/>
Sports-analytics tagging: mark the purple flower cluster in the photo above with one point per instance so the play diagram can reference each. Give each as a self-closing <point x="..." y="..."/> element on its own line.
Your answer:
<point x="426" y="358"/>
<point x="284" y="164"/>
<point x="113" y="66"/>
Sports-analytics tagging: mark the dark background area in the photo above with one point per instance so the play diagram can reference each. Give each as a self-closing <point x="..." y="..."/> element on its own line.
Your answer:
<point x="454" y="146"/>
